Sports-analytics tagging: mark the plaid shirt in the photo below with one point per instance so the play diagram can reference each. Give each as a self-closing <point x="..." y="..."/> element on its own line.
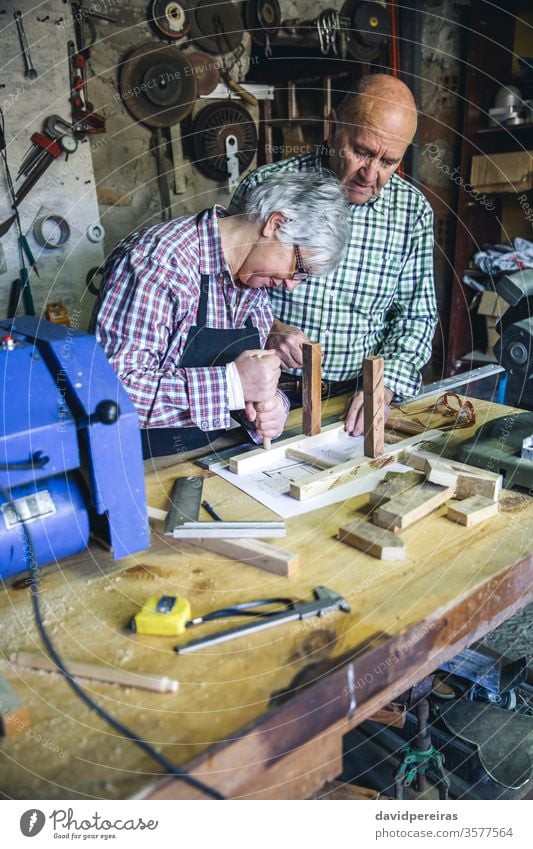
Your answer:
<point x="148" y="303"/>
<point x="380" y="299"/>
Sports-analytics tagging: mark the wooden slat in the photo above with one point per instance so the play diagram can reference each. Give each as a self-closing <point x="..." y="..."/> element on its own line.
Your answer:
<point x="97" y="672"/>
<point x="253" y="552"/>
<point x="406" y="509"/>
<point x="311" y="391"/>
<point x="373" y="406"/>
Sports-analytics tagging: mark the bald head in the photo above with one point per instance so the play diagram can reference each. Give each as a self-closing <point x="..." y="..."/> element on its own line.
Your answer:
<point x="381" y="102"/>
<point x="374" y="125"/>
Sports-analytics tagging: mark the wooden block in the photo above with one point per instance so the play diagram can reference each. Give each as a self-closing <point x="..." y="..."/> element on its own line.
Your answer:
<point x="14" y="717"/>
<point x="472" y="510"/>
<point x="253" y="553"/>
<point x="469" y="479"/>
<point x="406" y="509"/>
<point x="377" y="542"/>
<point x="311" y="388"/>
<point x="392" y="486"/>
<point x="374" y="406"/>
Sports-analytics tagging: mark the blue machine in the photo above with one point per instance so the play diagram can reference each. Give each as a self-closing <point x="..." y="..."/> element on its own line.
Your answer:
<point x="70" y="449"/>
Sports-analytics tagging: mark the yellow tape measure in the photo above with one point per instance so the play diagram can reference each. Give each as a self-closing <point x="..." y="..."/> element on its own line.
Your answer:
<point x="163" y="616"/>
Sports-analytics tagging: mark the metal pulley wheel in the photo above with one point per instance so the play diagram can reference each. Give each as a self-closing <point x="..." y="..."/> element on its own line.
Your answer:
<point x="217" y="26"/>
<point x="171" y="19"/>
<point x="263" y="19"/>
<point x="368" y="28"/>
<point x="205" y="70"/>
<point x="212" y="127"/>
<point x="158" y="85"/>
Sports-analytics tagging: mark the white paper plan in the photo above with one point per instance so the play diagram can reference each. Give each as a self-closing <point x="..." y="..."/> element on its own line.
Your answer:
<point x="270" y="485"/>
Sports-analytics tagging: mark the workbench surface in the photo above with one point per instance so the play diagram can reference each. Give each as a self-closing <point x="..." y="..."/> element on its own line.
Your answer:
<point x="262" y="716"/>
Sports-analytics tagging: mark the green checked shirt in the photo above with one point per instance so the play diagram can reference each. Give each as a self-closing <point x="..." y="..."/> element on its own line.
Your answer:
<point x="381" y="299"/>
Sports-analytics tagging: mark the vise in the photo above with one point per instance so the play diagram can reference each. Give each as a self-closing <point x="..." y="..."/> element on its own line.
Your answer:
<point x="70" y="449"/>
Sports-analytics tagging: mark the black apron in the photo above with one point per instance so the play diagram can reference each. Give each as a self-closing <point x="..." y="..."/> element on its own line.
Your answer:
<point x="205" y="347"/>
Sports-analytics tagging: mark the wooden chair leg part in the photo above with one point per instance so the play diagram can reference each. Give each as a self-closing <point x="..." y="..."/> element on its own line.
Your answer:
<point x="311" y="388"/>
<point x="373" y="406"/>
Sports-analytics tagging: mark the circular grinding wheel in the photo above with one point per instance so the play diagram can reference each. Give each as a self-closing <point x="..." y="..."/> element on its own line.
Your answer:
<point x="211" y="128"/>
<point x="262" y="18"/>
<point x="217" y="26"/>
<point x="205" y="71"/>
<point x="171" y="19"/>
<point x="369" y="27"/>
<point x="158" y="85"/>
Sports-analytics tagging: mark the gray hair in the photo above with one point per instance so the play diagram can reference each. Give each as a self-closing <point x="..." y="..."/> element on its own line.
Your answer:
<point x="316" y="212"/>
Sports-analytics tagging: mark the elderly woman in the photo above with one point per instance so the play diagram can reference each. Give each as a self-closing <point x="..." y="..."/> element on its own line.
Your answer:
<point x="184" y="309"/>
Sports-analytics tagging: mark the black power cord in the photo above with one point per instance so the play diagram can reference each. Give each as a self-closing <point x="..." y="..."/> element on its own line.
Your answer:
<point x="35" y="588"/>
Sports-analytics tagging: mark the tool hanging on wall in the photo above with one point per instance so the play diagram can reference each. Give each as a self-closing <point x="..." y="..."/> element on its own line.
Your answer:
<point x="158" y="85"/>
<point x="170" y="19"/>
<point x="159" y="88"/>
<point x="30" y="71"/>
<point x="262" y="19"/>
<point x="217" y="26"/>
<point x="211" y="129"/>
<point x="366" y="26"/>
<point x="83" y="116"/>
<point x="40" y="156"/>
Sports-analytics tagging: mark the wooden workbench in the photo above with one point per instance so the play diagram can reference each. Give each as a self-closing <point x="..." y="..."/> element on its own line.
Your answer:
<point x="260" y="717"/>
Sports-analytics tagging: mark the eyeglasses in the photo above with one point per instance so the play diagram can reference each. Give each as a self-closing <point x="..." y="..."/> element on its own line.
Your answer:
<point x="300" y="273"/>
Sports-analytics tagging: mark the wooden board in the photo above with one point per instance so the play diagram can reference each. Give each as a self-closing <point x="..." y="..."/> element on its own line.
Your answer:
<point x="253" y="552"/>
<point x="377" y="542"/>
<point x="406" y="509"/>
<point x="394" y="484"/>
<point x="373" y="406"/>
<point x="472" y="510"/>
<point x="311" y="388"/>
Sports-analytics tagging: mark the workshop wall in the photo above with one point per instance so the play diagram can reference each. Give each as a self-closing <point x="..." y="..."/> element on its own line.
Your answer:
<point x="126" y="166"/>
<point x="67" y="188"/>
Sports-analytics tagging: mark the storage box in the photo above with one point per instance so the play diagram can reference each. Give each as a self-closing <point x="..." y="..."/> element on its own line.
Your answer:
<point x="491" y="304"/>
<point x="502" y="172"/>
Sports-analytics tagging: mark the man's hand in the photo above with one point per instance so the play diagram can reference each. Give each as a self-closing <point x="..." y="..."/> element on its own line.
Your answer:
<point x="269" y="416"/>
<point x="353" y="417"/>
<point x="259" y="372"/>
<point x="287" y="342"/>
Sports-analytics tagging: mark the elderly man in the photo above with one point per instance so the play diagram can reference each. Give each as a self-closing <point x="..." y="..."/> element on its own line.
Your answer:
<point x="380" y="300"/>
<point x="183" y="312"/>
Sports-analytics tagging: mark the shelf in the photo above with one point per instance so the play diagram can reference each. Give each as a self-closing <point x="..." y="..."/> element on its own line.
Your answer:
<point x="512" y="128"/>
